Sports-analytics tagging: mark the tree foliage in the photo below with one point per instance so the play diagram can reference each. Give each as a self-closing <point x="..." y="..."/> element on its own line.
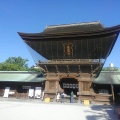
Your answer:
<point x="110" y="69"/>
<point x="32" y="68"/>
<point x="14" y="64"/>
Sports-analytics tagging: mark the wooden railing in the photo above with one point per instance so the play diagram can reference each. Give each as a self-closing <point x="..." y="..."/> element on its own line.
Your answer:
<point x="72" y="61"/>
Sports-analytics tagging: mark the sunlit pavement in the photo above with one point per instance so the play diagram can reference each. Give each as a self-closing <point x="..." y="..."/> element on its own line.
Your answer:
<point x="37" y="110"/>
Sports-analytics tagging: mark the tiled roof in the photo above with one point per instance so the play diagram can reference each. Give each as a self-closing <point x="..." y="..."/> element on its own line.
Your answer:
<point x="77" y="27"/>
<point x="15" y="76"/>
<point x="108" y="77"/>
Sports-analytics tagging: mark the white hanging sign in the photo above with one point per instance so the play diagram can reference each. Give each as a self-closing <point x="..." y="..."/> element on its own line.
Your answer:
<point x="6" y="92"/>
<point x="31" y="93"/>
<point x="37" y="92"/>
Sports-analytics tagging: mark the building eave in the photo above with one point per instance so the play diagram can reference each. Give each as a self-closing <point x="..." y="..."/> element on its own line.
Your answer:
<point x="42" y="35"/>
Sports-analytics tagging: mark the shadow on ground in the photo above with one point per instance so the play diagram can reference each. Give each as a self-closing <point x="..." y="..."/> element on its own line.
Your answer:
<point x="102" y="112"/>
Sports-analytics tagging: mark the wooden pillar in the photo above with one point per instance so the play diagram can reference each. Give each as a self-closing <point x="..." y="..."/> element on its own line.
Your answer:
<point x="112" y="88"/>
<point x="79" y="90"/>
<point x="57" y="86"/>
<point x="46" y="85"/>
<point x="51" y="87"/>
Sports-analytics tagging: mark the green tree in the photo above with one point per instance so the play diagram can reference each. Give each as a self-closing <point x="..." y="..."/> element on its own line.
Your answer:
<point x="110" y="69"/>
<point x="14" y="64"/>
<point x="33" y="68"/>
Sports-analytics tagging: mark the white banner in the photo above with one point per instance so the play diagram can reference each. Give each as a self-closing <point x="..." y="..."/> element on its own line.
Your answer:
<point x="31" y="93"/>
<point x="37" y="92"/>
<point x="6" y="92"/>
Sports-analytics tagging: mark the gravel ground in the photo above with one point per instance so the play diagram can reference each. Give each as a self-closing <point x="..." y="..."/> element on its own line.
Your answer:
<point x="35" y="110"/>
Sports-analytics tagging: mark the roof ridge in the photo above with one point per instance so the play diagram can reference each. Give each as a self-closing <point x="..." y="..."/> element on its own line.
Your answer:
<point x="72" y="24"/>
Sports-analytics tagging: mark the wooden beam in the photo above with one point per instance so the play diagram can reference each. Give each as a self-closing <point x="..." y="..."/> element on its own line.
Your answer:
<point x="68" y="70"/>
<point x="46" y="69"/>
<point x="79" y="69"/>
<point x="57" y="69"/>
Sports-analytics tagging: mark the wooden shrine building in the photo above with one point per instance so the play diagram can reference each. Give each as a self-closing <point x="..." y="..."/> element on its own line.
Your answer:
<point x="18" y="84"/>
<point x="71" y="56"/>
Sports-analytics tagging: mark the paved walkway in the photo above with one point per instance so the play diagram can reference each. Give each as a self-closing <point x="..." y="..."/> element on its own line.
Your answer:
<point x="35" y="110"/>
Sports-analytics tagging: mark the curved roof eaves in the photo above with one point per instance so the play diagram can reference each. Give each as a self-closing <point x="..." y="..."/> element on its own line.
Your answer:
<point x="108" y="77"/>
<point x="42" y="35"/>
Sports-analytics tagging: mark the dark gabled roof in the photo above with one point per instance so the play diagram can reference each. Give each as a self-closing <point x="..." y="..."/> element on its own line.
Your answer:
<point x="59" y="32"/>
<point x="91" y="39"/>
<point x="108" y="77"/>
<point x="21" y="76"/>
<point x="77" y="27"/>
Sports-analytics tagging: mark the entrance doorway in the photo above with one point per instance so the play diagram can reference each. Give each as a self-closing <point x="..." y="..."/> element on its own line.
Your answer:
<point x="69" y="84"/>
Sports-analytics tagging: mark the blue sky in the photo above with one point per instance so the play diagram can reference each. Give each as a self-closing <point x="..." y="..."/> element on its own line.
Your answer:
<point x="33" y="16"/>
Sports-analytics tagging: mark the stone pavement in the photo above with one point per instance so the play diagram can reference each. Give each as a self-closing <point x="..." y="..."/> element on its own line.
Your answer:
<point x="16" y="109"/>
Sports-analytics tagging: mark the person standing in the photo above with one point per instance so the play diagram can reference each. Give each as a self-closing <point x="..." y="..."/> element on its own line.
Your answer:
<point x="58" y="97"/>
<point x="71" y="97"/>
<point x="62" y="97"/>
